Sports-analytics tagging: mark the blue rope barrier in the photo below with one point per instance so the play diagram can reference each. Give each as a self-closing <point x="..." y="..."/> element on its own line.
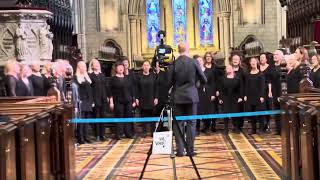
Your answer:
<point x="179" y="118"/>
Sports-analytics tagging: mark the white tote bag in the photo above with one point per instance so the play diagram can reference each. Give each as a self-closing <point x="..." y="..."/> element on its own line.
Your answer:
<point x="162" y="142"/>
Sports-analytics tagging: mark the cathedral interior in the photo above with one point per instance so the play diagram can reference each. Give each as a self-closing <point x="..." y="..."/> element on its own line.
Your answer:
<point x="39" y="136"/>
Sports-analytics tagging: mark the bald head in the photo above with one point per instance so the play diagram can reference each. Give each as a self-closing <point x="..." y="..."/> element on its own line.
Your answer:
<point x="183" y="48"/>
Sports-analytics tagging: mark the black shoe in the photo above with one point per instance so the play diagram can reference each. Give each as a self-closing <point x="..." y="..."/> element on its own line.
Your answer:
<point x="192" y="154"/>
<point x="81" y="142"/>
<point x="213" y="129"/>
<point x="179" y="155"/>
<point x="103" y="138"/>
<point x="88" y="141"/>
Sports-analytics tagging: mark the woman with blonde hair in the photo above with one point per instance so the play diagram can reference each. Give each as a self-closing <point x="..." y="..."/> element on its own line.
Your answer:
<point x="12" y="70"/>
<point x="100" y="96"/>
<point x="83" y="82"/>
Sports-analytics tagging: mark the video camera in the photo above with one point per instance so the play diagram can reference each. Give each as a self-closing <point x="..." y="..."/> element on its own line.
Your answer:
<point x="162" y="51"/>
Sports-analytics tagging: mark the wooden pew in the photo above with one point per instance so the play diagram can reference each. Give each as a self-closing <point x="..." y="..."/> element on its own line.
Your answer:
<point x="304" y="117"/>
<point x="8" y="169"/>
<point x="45" y="139"/>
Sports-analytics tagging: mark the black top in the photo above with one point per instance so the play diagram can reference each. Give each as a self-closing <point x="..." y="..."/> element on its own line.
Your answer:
<point x="241" y="75"/>
<point x="85" y="95"/>
<point x="23" y="89"/>
<point x="230" y="91"/>
<point x="267" y="76"/>
<point x="254" y="85"/>
<point x="121" y="89"/>
<point x="210" y="86"/>
<point x="163" y="86"/>
<point x="38" y="83"/>
<point x="218" y="73"/>
<point x="147" y="90"/>
<point x="293" y="80"/>
<point x="186" y="72"/>
<point x="11" y="85"/>
<point x="315" y="78"/>
<point x="99" y="89"/>
<point x="275" y="71"/>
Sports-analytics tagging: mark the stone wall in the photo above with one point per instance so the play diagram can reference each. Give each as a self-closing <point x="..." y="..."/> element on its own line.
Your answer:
<point x="95" y="38"/>
<point x="267" y="34"/>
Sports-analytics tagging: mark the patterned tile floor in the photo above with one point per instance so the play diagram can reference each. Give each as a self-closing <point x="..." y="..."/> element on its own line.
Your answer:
<point x="236" y="156"/>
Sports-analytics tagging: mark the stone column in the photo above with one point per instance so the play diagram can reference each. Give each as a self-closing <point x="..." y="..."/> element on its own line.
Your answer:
<point x="133" y="38"/>
<point x="139" y="37"/>
<point x="226" y="34"/>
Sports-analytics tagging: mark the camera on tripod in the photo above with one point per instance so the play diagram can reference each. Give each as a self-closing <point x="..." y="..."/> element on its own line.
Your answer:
<point x="162" y="52"/>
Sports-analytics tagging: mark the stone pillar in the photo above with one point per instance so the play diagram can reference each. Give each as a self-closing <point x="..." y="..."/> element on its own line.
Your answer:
<point x="226" y="34"/>
<point x="139" y="37"/>
<point x="133" y="38"/>
<point x="24" y="35"/>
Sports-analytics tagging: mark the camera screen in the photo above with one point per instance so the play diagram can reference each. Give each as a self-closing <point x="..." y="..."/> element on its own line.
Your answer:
<point x="161" y="50"/>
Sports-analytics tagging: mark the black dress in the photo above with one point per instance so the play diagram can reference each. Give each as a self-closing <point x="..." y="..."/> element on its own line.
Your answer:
<point x="293" y="80"/>
<point x="38" y="83"/>
<point x="146" y="93"/>
<point x="230" y="92"/>
<point x="315" y="78"/>
<point x="241" y="75"/>
<point x="122" y="94"/>
<point x="276" y="92"/>
<point x="254" y="90"/>
<point x="162" y="85"/>
<point x="207" y="106"/>
<point x="99" y="94"/>
<point x="11" y="85"/>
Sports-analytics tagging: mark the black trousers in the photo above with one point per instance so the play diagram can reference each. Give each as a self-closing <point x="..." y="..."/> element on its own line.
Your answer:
<point x="185" y="110"/>
<point x="254" y="119"/>
<point x="82" y="128"/>
<point x="211" y="109"/>
<point x="123" y="111"/>
<point x="147" y="113"/>
<point x="239" y="121"/>
<point x="99" y="128"/>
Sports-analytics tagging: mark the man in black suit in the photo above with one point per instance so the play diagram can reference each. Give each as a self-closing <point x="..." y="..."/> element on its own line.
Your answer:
<point x="185" y="95"/>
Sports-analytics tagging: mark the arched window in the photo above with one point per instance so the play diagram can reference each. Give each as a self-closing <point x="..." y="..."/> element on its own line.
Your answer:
<point x="153" y="22"/>
<point x="205" y="22"/>
<point x="179" y="21"/>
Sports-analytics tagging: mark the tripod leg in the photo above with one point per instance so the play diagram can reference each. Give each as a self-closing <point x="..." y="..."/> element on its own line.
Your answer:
<point x="175" y="123"/>
<point x="173" y="157"/>
<point x="149" y="152"/>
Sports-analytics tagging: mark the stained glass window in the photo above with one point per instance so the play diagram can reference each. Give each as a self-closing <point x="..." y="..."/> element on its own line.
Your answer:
<point x="179" y="21"/>
<point x="206" y="27"/>
<point x="153" y="22"/>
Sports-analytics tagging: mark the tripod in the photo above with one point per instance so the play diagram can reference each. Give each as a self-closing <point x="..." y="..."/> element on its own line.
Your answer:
<point x="172" y="122"/>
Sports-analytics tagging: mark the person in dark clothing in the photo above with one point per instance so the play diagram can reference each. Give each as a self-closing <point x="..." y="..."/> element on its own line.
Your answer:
<point x="83" y="82"/>
<point x="254" y="94"/>
<point x="100" y="96"/>
<point x="122" y="100"/>
<point x="132" y="78"/>
<point x="201" y="92"/>
<point x="276" y="86"/>
<point x="185" y="96"/>
<point x="315" y="72"/>
<point x="209" y="90"/>
<point x="240" y="74"/>
<point x="266" y="70"/>
<point x="230" y="96"/>
<point x="24" y="85"/>
<point x="294" y="75"/>
<point x="147" y="95"/>
<point x="163" y="88"/>
<point x="12" y="70"/>
<point x="37" y="80"/>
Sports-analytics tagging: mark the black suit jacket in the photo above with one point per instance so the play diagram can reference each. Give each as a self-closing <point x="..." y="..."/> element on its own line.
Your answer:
<point x="183" y="78"/>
